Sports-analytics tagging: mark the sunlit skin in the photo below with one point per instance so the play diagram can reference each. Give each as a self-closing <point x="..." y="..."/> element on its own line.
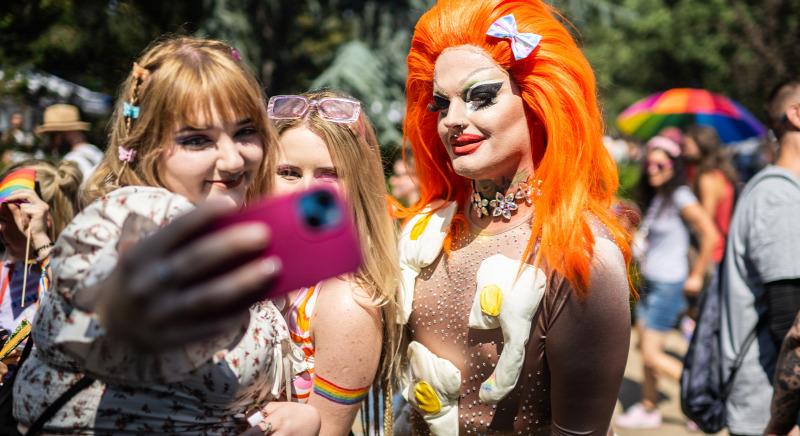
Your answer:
<point x="345" y="325"/>
<point x="303" y="161"/>
<point x="212" y="160"/>
<point x="479" y="116"/>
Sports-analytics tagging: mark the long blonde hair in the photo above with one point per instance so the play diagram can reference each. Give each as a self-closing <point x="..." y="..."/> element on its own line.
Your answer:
<point x="356" y="155"/>
<point x="58" y="187"/>
<point x="179" y="81"/>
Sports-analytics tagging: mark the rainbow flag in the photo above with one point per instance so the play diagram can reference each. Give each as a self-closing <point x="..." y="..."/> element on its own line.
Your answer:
<point x="23" y="178"/>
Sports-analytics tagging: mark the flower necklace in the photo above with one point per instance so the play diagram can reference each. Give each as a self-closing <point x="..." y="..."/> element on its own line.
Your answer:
<point x="505" y="205"/>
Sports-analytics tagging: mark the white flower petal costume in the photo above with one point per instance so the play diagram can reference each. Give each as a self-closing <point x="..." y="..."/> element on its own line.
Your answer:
<point x="420" y="245"/>
<point x="432" y="389"/>
<point x="501" y="301"/>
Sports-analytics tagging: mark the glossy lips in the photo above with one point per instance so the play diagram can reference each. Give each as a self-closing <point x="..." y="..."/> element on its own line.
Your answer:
<point x="466" y="143"/>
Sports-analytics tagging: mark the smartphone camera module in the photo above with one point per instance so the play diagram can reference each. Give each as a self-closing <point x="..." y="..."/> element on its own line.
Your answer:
<point x="320" y="211"/>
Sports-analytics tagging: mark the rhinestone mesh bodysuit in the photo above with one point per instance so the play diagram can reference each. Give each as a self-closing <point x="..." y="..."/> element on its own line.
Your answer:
<point x="442" y="300"/>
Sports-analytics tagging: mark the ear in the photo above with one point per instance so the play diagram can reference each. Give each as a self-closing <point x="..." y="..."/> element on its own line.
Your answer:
<point x="793" y="115"/>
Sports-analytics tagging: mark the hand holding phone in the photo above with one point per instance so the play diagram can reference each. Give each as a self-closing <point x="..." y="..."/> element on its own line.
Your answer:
<point x="197" y="276"/>
<point x="312" y="233"/>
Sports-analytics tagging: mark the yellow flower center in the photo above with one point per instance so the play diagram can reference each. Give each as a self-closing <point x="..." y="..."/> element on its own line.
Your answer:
<point x="419" y="227"/>
<point x="426" y="397"/>
<point x="491" y="300"/>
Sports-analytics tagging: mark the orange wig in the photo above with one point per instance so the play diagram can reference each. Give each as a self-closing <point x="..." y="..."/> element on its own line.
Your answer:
<point x="579" y="177"/>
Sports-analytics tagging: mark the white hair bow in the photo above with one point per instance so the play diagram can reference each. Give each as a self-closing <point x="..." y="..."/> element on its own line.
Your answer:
<point x="522" y="44"/>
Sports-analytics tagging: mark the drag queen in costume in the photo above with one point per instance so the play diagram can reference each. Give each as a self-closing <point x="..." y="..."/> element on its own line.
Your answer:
<point x="515" y="292"/>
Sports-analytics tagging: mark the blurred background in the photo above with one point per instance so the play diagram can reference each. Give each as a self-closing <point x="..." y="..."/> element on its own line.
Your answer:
<point x="79" y="51"/>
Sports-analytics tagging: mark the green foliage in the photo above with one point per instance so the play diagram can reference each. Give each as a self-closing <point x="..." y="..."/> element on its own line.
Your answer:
<point x="737" y="48"/>
<point x="372" y="67"/>
<point x="91" y="42"/>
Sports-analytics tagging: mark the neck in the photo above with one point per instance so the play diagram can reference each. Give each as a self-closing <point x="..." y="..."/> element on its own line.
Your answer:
<point x="789" y="155"/>
<point x="517" y="193"/>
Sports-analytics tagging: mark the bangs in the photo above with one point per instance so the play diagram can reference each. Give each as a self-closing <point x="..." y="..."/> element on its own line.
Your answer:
<point x="223" y="92"/>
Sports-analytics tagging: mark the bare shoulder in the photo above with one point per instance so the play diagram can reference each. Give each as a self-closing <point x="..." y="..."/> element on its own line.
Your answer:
<point x="344" y="305"/>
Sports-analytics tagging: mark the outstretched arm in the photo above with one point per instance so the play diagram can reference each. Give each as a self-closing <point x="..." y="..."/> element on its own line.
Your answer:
<point x="347" y="334"/>
<point x="587" y="347"/>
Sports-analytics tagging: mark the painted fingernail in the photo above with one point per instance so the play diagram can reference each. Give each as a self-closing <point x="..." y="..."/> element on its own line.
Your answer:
<point x="255" y="419"/>
<point x="271" y="266"/>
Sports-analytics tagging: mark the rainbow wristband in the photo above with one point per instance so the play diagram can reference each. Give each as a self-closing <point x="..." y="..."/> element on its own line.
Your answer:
<point x="338" y="394"/>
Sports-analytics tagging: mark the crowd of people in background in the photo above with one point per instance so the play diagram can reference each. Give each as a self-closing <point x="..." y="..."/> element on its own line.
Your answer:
<point x="101" y="254"/>
<point x="705" y="227"/>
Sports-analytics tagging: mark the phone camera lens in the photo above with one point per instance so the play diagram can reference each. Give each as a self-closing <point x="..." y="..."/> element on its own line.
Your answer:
<point x="324" y="199"/>
<point x="314" y="221"/>
<point x="320" y="211"/>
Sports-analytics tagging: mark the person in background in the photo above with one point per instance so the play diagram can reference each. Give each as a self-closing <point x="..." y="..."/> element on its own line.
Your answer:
<point x="17" y="143"/>
<point x="671" y="212"/>
<point x="761" y="272"/>
<point x="344" y="325"/>
<point x="44" y="214"/>
<point x="714" y="181"/>
<point x="146" y="312"/>
<point x="66" y="138"/>
<point x="403" y="181"/>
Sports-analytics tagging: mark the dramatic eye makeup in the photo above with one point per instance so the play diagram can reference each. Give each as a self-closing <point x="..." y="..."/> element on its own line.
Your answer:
<point x="482" y="94"/>
<point x="439" y="104"/>
<point x="476" y="96"/>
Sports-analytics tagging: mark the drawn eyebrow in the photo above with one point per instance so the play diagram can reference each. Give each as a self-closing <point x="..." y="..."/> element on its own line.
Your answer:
<point x="438" y="89"/>
<point x="474" y="72"/>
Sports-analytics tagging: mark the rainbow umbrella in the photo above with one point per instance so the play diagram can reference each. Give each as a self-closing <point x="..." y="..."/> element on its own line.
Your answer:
<point x="681" y="107"/>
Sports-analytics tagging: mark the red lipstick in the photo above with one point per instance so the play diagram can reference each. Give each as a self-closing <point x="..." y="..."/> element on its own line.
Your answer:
<point x="466" y="143"/>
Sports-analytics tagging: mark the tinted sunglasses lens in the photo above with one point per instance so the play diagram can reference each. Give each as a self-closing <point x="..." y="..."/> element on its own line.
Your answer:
<point x="339" y="110"/>
<point x="287" y="107"/>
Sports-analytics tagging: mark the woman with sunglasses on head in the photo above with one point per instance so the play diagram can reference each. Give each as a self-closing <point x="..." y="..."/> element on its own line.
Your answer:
<point x="345" y="324"/>
<point x="671" y="213"/>
<point x="150" y="330"/>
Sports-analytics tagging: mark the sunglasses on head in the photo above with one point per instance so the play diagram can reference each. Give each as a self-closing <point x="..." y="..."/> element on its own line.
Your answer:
<point x="333" y="109"/>
<point x="658" y="166"/>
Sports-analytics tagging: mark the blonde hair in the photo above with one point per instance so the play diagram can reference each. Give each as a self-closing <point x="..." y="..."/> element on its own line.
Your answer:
<point x="179" y="81"/>
<point x="356" y="155"/>
<point x="58" y="187"/>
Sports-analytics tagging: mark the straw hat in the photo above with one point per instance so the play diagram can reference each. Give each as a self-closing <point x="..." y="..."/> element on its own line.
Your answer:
<point x="61" y="118"/>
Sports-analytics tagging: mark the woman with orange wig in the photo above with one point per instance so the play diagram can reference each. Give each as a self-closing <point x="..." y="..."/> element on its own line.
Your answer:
<point x="515" y="289"/>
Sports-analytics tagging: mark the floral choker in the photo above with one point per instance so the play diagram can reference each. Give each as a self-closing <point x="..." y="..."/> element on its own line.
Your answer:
<point x="506" y="206"/>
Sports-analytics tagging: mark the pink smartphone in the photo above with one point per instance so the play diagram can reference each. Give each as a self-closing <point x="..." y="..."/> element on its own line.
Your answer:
<point x="312" y="233"/>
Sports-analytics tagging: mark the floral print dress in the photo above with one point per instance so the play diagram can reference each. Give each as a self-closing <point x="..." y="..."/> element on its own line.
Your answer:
<point x="202" y="388"/>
